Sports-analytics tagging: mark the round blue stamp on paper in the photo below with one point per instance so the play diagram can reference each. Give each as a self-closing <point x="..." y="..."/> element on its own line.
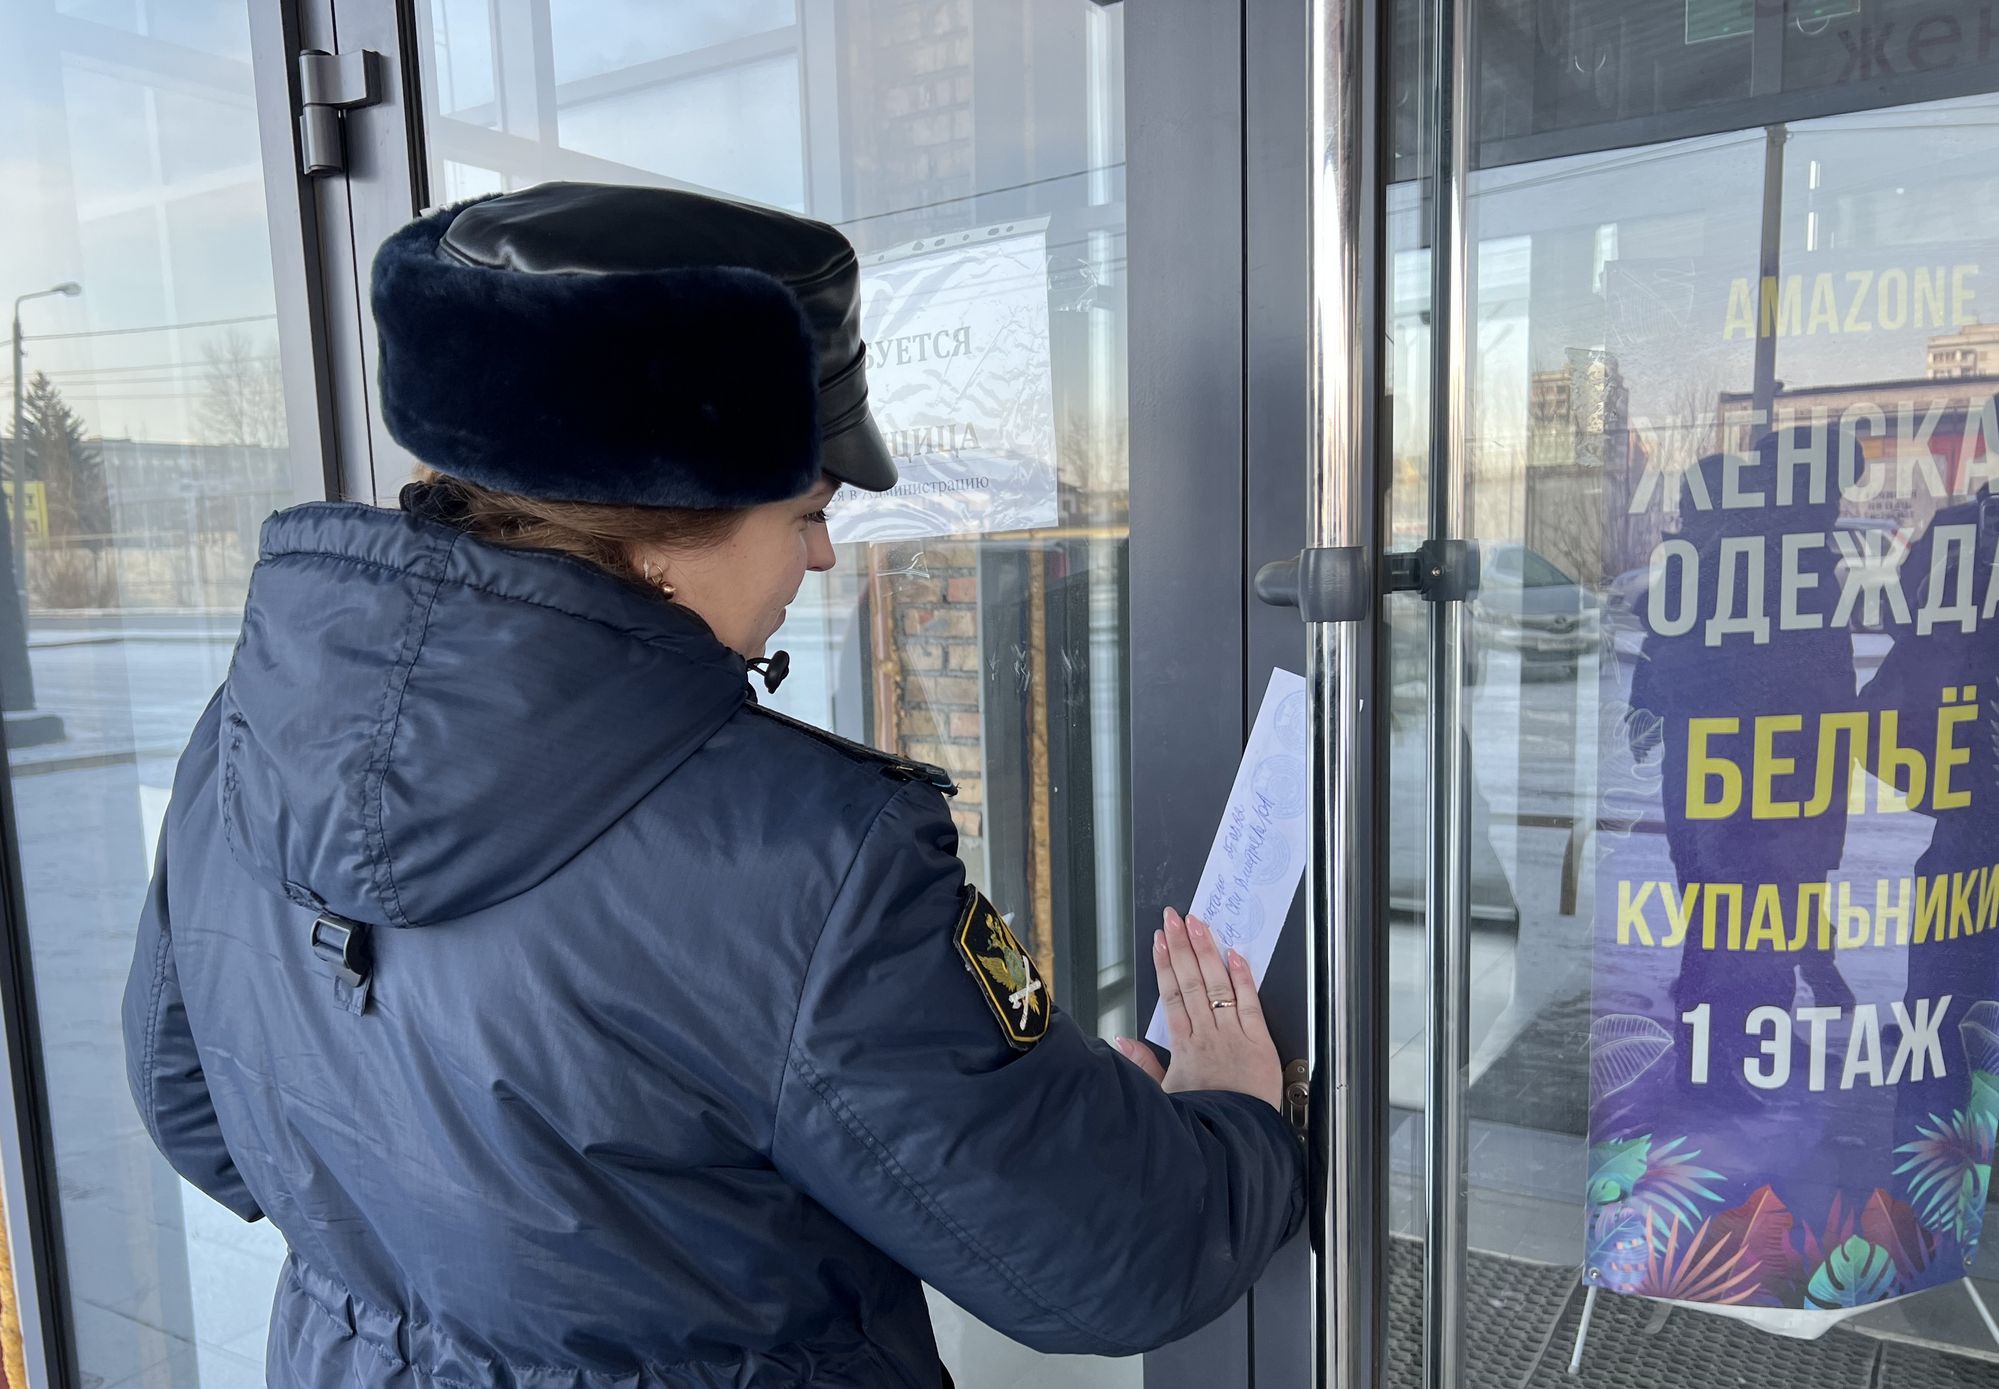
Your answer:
<point x="1281" y="780"/>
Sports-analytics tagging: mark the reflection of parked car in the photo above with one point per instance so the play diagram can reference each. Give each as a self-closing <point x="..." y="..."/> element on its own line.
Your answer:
<point x="1528" y="605"/>
<point x="1624" y="593"/>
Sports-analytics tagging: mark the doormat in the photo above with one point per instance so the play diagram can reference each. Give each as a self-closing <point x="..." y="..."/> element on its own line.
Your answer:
<point x="1520" y="1329"/>
<point x="1541" y="1080"/>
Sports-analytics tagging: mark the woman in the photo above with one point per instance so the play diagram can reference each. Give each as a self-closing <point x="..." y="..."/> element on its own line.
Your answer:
<point x="578" y="1021"/>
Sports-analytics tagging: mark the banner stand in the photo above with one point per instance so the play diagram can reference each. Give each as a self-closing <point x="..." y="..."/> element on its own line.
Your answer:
<point x="1582" y="1333"/>
<point x="1984" y="1312"/>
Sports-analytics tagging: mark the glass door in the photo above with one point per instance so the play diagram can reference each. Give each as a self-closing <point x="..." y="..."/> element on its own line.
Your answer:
<point x="981" y="616"/>
<point x="1689" y="321"/>
<point x="158" y="335"/>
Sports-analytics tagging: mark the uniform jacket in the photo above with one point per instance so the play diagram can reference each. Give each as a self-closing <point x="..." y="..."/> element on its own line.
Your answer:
<point x="647" y="1054"/>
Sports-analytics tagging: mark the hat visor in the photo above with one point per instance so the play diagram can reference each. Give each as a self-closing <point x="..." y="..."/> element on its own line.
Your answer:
<point x="858" y="457"/>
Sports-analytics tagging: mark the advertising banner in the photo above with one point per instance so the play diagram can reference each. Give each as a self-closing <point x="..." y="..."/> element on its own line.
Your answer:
<point x="1794" y="1051"/>
<point x="959" y="382"/>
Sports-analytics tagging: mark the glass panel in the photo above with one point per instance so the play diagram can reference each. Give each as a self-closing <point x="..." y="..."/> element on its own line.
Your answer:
<point x="152" y="437"/>
<point x="1730" y="461"/>
<point x="757" y="155"/>
<point x="979" y="173"/>
<point x="631" y="84"/>
<point x="1601" y="74"/>
<point x="588" y="37"/>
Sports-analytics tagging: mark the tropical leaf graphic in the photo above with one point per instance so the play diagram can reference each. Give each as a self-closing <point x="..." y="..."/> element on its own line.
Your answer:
<point x="1695" y="1264"/>
<point x="1974" y="1187"/>
<point x="1651" y="1176"/>
<point x="1892" y="1225"/>
<point x="1980" y="1031"/>
<point x="1622" y="1047"/>
<point x="1856" y="1274"/>
<point x="1762" y="1226"/>
<point x="1841" y="1225"/>
<point x="1617" y="1249"/>
<point x="1673" y="1185"/>
<point x="1949" y="1169"/>
<point x="1614" y="1168"/>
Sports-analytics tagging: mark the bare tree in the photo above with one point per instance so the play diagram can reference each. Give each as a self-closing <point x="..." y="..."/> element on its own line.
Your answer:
<point x="1670" y="446"/>
<point x="244" y="400"/>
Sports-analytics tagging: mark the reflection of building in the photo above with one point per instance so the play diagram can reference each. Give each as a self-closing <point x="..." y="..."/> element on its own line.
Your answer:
<point x="232" y="487"/>
<point x="1913" y="431"/>
<point x="1971" y="351"/>
<point x="185" y="522"/>
<point x="1579" y="453"/>
<point x="1579" y="414"/>
<point x="1550" y="416"/>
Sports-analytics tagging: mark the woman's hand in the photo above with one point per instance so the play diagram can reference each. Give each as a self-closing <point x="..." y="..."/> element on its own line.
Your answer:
<point x="1214" y="1022"/>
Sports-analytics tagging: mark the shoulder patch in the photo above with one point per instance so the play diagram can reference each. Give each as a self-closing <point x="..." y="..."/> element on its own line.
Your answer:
<point x="1000" y="965"/>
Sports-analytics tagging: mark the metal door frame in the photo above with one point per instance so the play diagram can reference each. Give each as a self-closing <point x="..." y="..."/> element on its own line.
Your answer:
<point x="1279" y="178"/>
<point x="33" y="1207"/>
<point x="1185" y="84"/>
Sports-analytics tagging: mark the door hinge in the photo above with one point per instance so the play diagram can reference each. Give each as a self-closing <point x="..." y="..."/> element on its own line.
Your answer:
<point x="329" y="83"/>
<point x="1298" y="1096"/>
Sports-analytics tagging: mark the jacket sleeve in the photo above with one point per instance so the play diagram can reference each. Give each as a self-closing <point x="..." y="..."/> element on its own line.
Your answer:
<point x="1057" y="1193"/>
<point x="163" y="1067"/>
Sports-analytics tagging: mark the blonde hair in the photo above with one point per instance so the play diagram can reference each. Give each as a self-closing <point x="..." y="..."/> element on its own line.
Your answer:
<point x="594" y="532"/>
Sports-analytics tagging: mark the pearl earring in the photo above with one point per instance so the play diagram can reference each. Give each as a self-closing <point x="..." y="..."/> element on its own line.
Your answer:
<point x="652" y="578"/>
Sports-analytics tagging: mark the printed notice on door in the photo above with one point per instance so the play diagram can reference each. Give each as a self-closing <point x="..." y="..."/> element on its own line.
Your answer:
<point x="958" y="380"/>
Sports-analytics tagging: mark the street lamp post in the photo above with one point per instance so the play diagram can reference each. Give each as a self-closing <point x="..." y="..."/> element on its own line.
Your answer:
<point x="17" y="687"/>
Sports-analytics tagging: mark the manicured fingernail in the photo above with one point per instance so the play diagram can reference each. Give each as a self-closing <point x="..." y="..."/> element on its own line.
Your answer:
<point x="1237" y="960"/>
<point x="1167" y="916"/>
<point x="1197" y="928"/>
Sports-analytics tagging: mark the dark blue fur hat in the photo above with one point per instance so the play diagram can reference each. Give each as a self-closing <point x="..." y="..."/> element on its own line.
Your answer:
<point x="636" y="346"/>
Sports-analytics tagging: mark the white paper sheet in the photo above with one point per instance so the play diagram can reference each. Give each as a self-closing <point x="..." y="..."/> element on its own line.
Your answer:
<point x="1260" y="847"/>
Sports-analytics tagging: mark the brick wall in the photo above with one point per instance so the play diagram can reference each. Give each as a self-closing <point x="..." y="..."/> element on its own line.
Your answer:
<point x="935" y="608"/>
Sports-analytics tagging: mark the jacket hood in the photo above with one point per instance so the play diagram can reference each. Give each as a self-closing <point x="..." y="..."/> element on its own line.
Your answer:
<point x="417" y="725"/>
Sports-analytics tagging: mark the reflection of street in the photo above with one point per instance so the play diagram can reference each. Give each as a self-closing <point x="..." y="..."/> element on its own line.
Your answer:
<point x="124" y="685"/>
<point x="1532" y="790"/>
<point x="149" y="1257"/>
